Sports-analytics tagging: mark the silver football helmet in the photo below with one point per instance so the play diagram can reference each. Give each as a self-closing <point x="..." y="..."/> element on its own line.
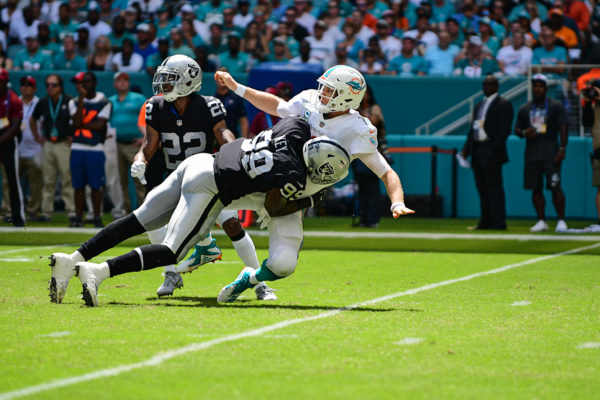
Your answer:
<point x="176" y="77"/>
<point x="346" y="87"/>
<point x="327" y="161"/>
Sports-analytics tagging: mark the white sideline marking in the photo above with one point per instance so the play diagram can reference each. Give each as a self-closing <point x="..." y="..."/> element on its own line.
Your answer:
<point x="159" y="358"/>
<point x="18" y="259"/>
<point x="410" y="340"/>
<point x="56" y="334"/>
<point x="590" y="345"/>
<point x="376" y="235"/>
<point x="521" y="303"/>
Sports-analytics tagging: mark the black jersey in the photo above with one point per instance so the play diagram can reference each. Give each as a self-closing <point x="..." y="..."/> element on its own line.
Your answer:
<point x="184" y="135"/>
<point x="272" y="159"/>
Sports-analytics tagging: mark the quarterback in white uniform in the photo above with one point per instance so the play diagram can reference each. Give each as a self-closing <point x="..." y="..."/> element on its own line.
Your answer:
<point x="330" y="111"/>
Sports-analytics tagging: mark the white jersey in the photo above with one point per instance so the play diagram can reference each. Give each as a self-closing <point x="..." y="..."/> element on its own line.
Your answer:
<point x="355" y="133"/>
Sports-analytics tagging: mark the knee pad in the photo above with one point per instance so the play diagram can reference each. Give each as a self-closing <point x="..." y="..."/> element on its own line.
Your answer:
<point x="158" y="235"/>
<point x="283" y="261"/>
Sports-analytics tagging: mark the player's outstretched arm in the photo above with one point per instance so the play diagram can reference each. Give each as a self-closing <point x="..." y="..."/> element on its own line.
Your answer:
<point x="396" y="194"/>
<point x="262" y="100"/>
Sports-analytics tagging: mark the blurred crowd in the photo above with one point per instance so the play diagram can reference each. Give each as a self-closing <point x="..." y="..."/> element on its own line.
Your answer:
<point x="396" y="37"/>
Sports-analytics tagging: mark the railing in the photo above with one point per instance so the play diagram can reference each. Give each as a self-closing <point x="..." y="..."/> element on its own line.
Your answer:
<point x="465" y="118"/>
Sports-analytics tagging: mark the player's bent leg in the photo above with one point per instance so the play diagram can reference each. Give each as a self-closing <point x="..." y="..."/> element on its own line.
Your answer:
<point x="172" y="279"/>
<point x="244" y="246"/>
<point x="63" y="265"/>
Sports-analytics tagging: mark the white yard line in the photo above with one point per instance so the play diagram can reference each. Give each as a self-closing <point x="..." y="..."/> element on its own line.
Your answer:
<point x="362" y="234"/>
<point x="167" y="355"/>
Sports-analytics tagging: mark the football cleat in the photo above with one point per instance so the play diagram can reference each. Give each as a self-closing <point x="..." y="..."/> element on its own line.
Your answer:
<point x="200" y="256"/>
<point x="63" y="269"/>
<point x="231" y="292"/>
<point x="263" y="292"/>
<point x="172" y="281"/>
<point x="91" y="276"/>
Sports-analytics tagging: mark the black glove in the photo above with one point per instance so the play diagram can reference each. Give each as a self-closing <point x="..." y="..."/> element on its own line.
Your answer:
<point x="316" y="198"/>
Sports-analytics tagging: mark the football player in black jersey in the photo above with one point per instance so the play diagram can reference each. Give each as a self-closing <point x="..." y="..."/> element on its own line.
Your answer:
<point x="184" y="123"/>
<point x="274" y="163"/>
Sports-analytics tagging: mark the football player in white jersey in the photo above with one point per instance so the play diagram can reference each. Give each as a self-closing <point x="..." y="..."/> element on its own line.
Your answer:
<point x="329" y="111"/>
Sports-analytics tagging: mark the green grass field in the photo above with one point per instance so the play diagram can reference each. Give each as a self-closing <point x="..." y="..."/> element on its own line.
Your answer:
<point x="362" y="318"/>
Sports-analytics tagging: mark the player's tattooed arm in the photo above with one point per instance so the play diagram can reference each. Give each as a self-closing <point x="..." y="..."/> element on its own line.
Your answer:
<point x="277" y="205"/>
<point x="222" y="134"/>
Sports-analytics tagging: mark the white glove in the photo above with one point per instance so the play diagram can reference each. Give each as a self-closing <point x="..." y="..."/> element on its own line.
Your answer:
<point x="138" y="169"/>
<point x="263" y="218"/>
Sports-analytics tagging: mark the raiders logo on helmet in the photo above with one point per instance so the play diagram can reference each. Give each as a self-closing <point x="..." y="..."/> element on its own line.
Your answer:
<point x="193" y="71"/>
<point x="325" y="169"/>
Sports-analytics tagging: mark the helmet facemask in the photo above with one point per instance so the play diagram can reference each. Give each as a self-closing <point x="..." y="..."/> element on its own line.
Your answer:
<point x="164" y="83"/>
<point x="177" y="76"/>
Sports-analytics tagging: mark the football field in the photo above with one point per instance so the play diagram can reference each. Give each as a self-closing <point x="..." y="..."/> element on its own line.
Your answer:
<point x="411" y="310"/>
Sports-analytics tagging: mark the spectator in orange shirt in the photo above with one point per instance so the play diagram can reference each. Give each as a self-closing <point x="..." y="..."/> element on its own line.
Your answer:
<point x="561" y="31"/>
<point x="577" y="10"/>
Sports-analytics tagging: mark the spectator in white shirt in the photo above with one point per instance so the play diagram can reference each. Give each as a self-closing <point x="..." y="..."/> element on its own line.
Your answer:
<point x="22" y="28"/>
<point x="243" y="16"/>
<point x="515" y="58"/>
<point x="422" y="34"/>
<point x="390" y="45"/>
<point x="305" y="18"/>
<point x="305" y="57"/>
<point x="321" y="46"/>
<point x="93" y="24"/>
<point x="127" y="60"/>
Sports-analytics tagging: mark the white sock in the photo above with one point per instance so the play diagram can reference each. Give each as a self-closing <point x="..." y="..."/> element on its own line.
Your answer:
<point x="171" y="268"/>
<point x="246" y="251"/>
<point x="206" y="241"/>
<point x="103" y="272"/>
<point x="253" y="279"/>
<point x="76" y="256"/>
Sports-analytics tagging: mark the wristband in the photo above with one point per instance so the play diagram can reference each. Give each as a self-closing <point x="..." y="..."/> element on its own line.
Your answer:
<point x="399" y="204"/>
<point x="240" y="90"/>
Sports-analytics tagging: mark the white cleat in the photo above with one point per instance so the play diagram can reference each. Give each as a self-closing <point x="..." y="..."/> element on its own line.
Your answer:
<point x="540" y="226"/>
<point x="264" y="292"/>
<point x="172" y="281"/>
<point x="63" y="269"/>
<point x="91" y="276"/>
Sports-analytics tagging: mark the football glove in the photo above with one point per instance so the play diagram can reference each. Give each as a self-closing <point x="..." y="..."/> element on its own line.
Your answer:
<point x="138" y="169"/>
<point x="316" y="198"/>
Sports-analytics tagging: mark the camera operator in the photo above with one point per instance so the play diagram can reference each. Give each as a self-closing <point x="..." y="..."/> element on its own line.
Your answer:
<point x="591" y="118"/>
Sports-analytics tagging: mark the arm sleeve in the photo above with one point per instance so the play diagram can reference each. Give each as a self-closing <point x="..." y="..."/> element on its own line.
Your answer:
<point x="37" y="111"/>
<point x="376" y="163"/>
<point x="295" y="106"/>
<point x="587" y="116"/>
<point x="142" y="115"/>
<point x="106" y="111"/>
<point x="284" y="109"/>
<point x="72" y="107"/>
<point x="16" y="107"/>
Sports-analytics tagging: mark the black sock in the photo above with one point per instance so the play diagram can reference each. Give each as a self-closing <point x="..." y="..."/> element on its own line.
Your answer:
<point x="113" y="234"/>
<point x="152" y="255"/>
<point x="239" y="236"/>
